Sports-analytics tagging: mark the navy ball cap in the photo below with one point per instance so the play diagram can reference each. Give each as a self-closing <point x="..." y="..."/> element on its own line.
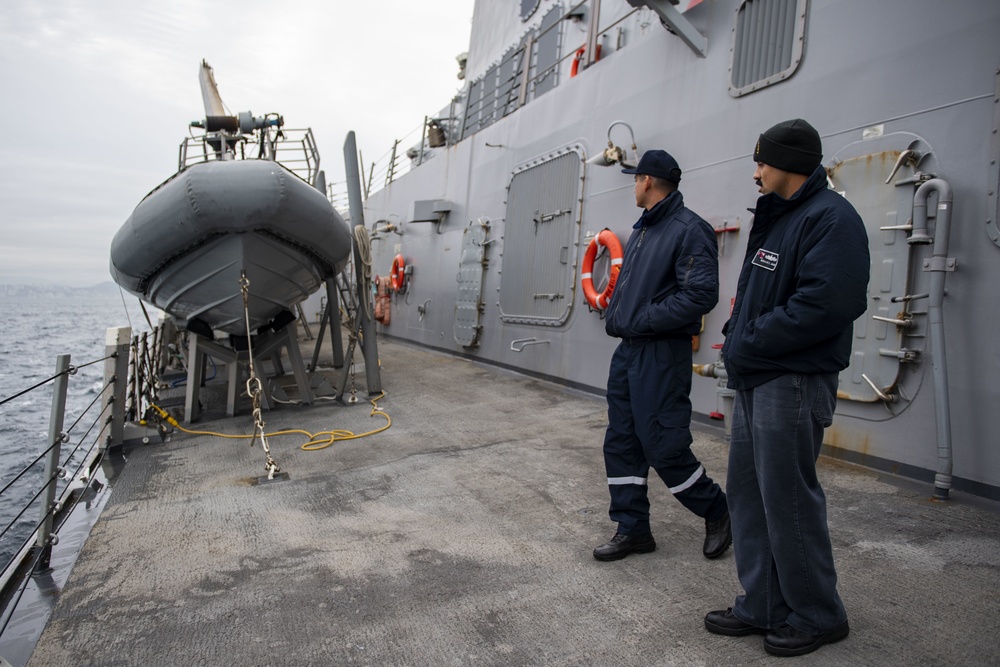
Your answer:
<point x="660" y="164"/>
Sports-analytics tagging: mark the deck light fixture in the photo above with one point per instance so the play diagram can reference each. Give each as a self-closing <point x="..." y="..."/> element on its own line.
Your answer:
<point x="616" y="154"/>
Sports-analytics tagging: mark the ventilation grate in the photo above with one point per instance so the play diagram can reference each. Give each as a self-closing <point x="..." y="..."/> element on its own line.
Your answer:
<point x="767" y="43"/>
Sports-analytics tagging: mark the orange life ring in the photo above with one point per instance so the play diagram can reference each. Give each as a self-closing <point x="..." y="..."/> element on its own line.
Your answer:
<point x="398" y="273"/>
<point x="578" y="56"/>
<point x="605" y="239"/>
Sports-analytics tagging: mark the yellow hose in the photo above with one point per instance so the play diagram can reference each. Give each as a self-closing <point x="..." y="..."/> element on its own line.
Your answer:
<point x="316" y="442"/>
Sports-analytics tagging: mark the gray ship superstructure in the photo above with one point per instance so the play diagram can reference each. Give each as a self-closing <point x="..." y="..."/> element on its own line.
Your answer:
<point x="514" y="179"/>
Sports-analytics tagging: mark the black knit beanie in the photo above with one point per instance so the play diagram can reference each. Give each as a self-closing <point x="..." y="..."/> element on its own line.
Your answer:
<point x="792" y="145"/>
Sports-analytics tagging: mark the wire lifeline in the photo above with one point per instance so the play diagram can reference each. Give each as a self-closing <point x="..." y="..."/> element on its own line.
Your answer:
<point x="69" y="371"/>
<point x="36" y="557"/>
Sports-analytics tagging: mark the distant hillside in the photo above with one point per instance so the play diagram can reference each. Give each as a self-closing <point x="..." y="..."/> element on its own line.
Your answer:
<point x="57" y="291"/>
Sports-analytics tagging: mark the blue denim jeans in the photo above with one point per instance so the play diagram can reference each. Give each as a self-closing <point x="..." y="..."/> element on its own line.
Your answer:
<point x="649" y="426"/>
<point x="784" y="558"/>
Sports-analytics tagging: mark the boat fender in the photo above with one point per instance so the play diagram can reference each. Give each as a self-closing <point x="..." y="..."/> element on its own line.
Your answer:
<point x="240" y="343"/>
<point x="382" y="300"/>
<point x="282" y="320"/>
<point x="605" y="239"/>
<point x="200" y="327"/>
<point x="578" y="57"/>
<point x="397" y="274"/>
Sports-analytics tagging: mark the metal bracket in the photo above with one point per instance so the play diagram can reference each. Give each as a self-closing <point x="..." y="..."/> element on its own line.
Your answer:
<point x="909" y="157"/>
<point x="676" y="23"/>
<point x="905" y="324"/>
<point x="905" y="355"/>
<point x="940" y="264"/>
<point x="888" y="398"/>
<point x="525" y="342"/>
<point x="917" y="179"/>
<point x="547" y="217"/>
<point x="907" y="298"/>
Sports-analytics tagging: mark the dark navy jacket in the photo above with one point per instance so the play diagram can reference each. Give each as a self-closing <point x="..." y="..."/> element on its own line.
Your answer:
<point x="804" y="282"/>
<point x="669" y="276"/>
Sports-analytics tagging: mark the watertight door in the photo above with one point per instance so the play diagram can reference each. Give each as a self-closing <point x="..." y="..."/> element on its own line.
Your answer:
<point x="540" y="228"/>
<point x="887" y="335"/>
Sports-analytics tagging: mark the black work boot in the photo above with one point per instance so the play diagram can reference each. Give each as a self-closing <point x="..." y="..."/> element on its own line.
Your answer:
<point x="623" y="545"/>
<point x="718" y="536"/>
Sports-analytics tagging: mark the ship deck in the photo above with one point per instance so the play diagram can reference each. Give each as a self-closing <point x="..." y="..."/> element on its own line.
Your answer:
<point x="462" y="535"/>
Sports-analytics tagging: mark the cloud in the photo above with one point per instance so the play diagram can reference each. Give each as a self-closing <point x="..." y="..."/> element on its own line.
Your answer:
<point x="102" y="93"/>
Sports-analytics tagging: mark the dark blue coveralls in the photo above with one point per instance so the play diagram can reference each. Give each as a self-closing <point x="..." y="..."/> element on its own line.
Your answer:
<point x="669" y="280"/>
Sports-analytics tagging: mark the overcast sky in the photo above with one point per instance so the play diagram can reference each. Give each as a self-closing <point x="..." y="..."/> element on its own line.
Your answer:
<point x="98" y="94"/>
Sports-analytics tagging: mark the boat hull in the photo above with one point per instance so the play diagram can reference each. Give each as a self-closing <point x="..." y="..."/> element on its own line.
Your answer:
<point x="188" y="243"/>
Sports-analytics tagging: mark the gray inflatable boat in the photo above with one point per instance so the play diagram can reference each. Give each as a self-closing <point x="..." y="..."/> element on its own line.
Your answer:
<point x="224" y="215"/>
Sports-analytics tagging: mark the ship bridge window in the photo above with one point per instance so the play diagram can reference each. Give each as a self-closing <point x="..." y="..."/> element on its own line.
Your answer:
<point x="496" y="94"/>
<point x="528" y="8"/>
<point x="546" y="66"/>
<point x="509" y="85"/>
<point x="488" y="102"/>
<point x="767" y="43"/>
<point x="499" y="91"/>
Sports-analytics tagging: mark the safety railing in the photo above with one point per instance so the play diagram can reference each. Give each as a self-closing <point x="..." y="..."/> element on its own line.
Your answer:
<point x="295" y="150"/>
<point x="37" y="500"/>
<point x="395" y="162"/>
<point x="514" y="81"/>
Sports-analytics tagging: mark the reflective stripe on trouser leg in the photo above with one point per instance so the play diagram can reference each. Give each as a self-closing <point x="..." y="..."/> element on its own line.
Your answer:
<point x="661" y="410"/>
<point x="689" y="482"/>
<point x="641" y="481"/>
<point x="624" y="461"/>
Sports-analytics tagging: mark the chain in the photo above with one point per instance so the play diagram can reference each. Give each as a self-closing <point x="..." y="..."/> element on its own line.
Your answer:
<point x="354" y="390"/>
<point x="254" y="386"/>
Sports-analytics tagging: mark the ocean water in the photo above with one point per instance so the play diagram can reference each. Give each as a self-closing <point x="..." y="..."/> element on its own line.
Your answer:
<point x="37" y="326"/>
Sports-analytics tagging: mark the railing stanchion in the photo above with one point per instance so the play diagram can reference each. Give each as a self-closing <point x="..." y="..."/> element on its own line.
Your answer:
<point x="116" y="381"/>
<point x="44" y="535"/>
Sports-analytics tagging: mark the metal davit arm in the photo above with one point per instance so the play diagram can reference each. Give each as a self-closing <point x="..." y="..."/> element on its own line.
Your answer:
<point x="678" y="24"/>
<point x="369" y="348"/>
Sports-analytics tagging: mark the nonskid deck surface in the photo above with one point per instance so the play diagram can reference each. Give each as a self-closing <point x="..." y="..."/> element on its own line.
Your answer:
<point x="463" y="536"/>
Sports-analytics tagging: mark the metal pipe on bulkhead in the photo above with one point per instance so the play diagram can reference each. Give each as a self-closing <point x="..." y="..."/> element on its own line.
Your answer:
<point x="938" y="264"/>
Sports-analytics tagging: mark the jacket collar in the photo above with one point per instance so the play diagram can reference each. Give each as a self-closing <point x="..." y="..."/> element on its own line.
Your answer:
<point x="661" y="210"/>
<point x="773" y="205"/>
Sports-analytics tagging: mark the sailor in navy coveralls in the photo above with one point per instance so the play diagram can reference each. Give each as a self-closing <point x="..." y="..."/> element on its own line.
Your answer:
<point x="668" y="281"/>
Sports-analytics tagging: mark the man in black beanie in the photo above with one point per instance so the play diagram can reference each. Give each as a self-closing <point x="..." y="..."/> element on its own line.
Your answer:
<point x="803" y="283"/>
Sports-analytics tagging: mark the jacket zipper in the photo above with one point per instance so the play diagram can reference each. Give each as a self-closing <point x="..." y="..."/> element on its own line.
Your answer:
<point x="642" y="233"/>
